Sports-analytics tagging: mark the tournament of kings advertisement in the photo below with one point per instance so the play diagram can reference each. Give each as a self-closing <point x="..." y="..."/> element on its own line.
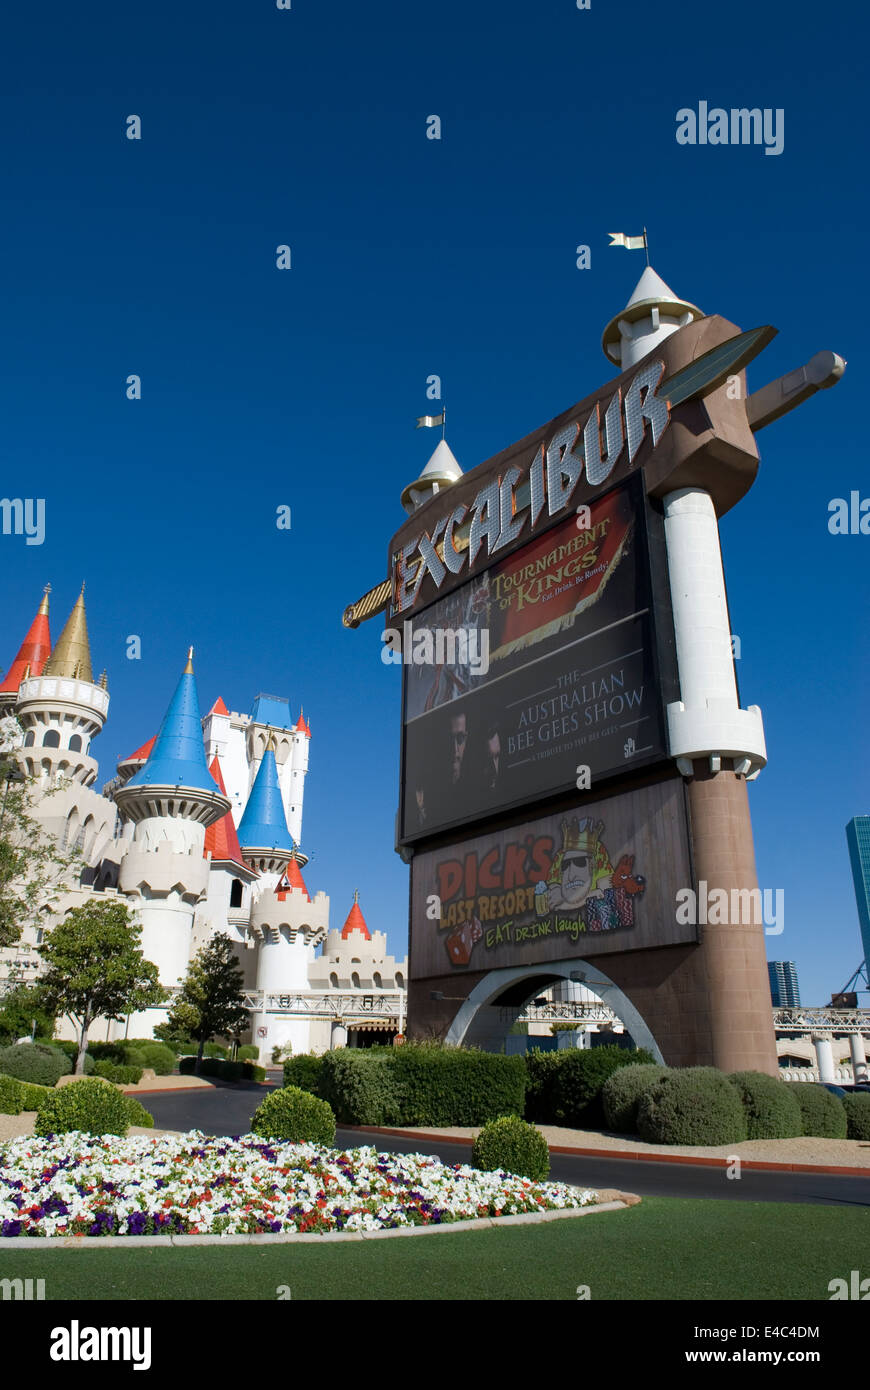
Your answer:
<point x="598" y="879"/>
<point x="539" y="668"/>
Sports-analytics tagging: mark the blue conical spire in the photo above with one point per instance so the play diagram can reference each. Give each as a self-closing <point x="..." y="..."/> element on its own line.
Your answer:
<point x="264" y="824"/>
<point x="178" y="756"/>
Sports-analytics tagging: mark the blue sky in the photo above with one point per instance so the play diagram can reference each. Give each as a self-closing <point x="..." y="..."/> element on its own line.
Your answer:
<point x="410" y="257"/>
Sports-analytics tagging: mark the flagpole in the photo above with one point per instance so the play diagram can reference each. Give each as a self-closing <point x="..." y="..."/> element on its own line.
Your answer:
<point x="646" y="245"/>
<point x="443" y="421"/>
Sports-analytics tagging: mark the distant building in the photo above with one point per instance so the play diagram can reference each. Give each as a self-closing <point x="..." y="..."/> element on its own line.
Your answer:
<point x="784" y="990"/>
<point x="858" y="840"/>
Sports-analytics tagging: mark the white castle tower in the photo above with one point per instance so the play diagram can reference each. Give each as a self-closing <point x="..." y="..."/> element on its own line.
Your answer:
<point x="61" y="709"/>
<point x="283" y="918"/>
<point x="171" y="800"/>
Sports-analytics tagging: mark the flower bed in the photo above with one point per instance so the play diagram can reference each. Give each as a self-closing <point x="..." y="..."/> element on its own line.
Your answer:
<point x="188" y="1184"/>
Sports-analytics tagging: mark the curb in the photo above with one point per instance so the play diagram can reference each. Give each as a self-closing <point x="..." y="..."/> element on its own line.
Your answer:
<point x="482" y="1223"/>
<point x="703" y="1160"/>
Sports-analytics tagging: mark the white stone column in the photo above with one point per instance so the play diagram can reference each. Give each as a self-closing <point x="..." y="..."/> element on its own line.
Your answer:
<point x="338" y="1037"/>
<point x="859" y="1056"/>
<point x="824" y="1058"/>
<point x="707" y="720"/>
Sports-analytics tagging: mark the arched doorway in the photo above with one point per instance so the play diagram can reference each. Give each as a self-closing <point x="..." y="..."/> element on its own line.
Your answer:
<point x="486" y="1017"/>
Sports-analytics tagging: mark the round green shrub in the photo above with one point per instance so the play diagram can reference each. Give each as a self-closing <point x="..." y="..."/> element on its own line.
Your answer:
<point x="295" y="1115"/>
<point x="136" y="1113"/>
<point x="155" y="1055"/>
<point x="621" y="1093"/>
<point x="512" y="1145"/>
<point x="38" y="1062"/>
<point x="11" y="1096"/>
<point x="89" y="1106"/>
<point x="769" y="1104"/>
<point x="822" y="1113"/>
<point x="213" y="1049"/>
<point x="857" y="1107"/>
<point x="248" y="1053"/>
<point x="692" y="1105"/>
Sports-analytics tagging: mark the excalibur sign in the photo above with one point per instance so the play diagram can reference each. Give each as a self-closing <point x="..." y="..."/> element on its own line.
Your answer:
<point x="560" y="801"/>
<point x="500" y="512"/>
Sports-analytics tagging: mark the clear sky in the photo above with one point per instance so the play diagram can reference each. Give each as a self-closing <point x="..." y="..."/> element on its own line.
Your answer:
<point x="412" y="256"/>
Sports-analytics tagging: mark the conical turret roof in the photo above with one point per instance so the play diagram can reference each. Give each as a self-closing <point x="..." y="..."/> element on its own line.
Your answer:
<point x="221" y="838"/>
<point x="649" y="293"/>
<point x="72" y="655"/>
<point x="291" y="878"/>
<point x="264" y="824"/>
<point x="33" y="652"/>
<point x="355" y="920"/>
<point x="441" y="470"/>
<point x="178" y="757"/>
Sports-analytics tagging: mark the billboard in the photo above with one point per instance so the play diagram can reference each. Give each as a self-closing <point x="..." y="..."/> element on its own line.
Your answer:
<point x="545" y="664"/>
<point x="599" y="877"/>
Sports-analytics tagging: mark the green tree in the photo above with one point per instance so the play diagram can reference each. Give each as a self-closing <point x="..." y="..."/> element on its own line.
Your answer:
<point x="19" y="1008"/>
<point x="96" y="968"/>
<point x="210" y="1002"/>
<point x="32" y="868"/>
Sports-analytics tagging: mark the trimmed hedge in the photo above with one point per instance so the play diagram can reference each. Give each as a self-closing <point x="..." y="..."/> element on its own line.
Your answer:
<point x="88" y="1106"/>
<point x="769" y="1105"/>
<point x="39" y="1062"/>
<point x="34" y="1095"/>
<point x="567" y="1091"/>
<point x="513" y="1146"/>
<point x="822" y="1113"/>
<point x="11" y="1096"/>
<point x="857" y="1107"/>
<point x="295" y="1116"/>
<point x="621" y="1093"/>
<point x="119" y="1073"/>
<point x="421" y="1084"/>
<point x="304" y="1071"/>
<point x="222" y="1070"/>
<point x="695" y="1105"/>
<point x="359" y="1084"/>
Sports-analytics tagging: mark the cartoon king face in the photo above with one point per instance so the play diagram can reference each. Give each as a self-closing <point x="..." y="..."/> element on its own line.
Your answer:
<point x="581" y="868"/>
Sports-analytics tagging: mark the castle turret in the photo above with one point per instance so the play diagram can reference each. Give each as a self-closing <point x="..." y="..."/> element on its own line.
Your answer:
<point x="263" y="831"/>
<point x="440" y="472"/>
<point x="172" y="799"/>
<point x="290" y="924"/>
<point x="652" y="314"/>
<point x="60" y="707"/>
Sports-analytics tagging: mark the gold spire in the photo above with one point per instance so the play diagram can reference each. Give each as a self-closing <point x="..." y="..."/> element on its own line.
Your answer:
<point x="72" y="653"/>
<point x="188" y="670"/>
<point x="43" y="607"/>
<point x="271" y="744"/>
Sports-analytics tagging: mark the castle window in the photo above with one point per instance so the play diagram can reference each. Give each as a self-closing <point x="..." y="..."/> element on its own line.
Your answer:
<point x="75" y="743"/>
<point x="236" y="893"/>
<point x="29" y="739"/>
<point x="354" y="979"/>
<point x="333" y="981"/>
<point x="51" y="739"/>
<point x="400" y="980"/>
<point x="379" y="984"/>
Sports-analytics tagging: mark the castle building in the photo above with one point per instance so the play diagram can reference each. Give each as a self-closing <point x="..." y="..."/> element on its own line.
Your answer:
<point x="198" y="833"/>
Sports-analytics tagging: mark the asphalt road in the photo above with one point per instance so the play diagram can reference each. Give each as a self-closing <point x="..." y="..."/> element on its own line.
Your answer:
<point x="228" y="1110"/>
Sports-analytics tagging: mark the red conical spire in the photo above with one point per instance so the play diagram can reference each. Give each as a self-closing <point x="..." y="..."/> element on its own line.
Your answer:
<point x="291" y="878"/>
<point x="34" y="651"/>
<point x="355" y="920"/>
<point x="221" y="837"/>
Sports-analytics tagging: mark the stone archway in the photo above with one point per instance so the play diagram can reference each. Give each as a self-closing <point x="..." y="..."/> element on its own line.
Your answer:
<point x="479" y="1022"/>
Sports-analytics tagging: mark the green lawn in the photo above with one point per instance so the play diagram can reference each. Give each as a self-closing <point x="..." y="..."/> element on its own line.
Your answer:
<point x="663" y="1249"/>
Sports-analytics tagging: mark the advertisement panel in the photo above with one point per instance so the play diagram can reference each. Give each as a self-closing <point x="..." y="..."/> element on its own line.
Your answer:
<point x="543" y="665"/>
<point x="600" y="878"/>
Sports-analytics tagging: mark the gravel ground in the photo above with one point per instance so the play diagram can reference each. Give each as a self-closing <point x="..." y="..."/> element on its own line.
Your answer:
<point x="12" y="1126"/>
<point x="850" y="1153"/>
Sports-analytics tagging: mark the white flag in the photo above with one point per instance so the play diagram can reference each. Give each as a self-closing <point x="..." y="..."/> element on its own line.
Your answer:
<point x="428" y="420"/>
<point x="631" y="243"/>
